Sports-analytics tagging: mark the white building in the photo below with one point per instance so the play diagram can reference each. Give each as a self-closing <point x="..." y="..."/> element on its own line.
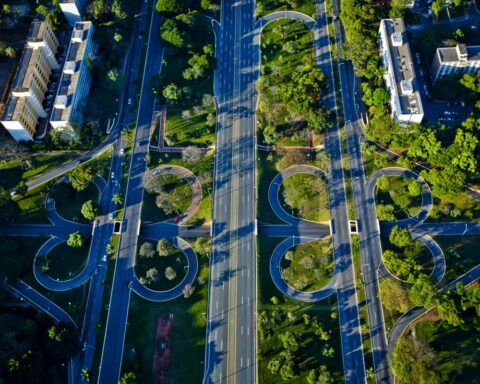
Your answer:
<point x="75" y="81"/>
<point x="453" y="60"/>
<point x="400" y="78"/>
<point x="73" y="10"/>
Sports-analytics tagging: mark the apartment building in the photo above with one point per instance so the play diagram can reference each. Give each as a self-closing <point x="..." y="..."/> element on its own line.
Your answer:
<point x="73" y="10"/>
<point x="24" y="104"/>
<point x="405" y="101"/>
<point x="453" y="60"/>
<point x="75" y="79"/>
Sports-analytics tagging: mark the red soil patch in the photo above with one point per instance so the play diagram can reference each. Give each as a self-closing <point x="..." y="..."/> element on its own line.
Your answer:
<point x="161" y="355"/>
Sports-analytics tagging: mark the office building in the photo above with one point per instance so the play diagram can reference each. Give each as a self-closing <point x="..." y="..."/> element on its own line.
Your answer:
<point x="75" y="80"/>
<point x="25" y="103"/>
<point x="454" y="60"/>
<point x="73" y="10"/>
<point x="400" y="78"/>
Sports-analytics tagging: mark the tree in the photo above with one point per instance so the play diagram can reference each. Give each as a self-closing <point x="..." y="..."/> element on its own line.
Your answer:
<point x="320" y="376"/>
<point x="423" y="292"/>
<point x="128" y="378"/>
<point x="414" y="189"/>
<point x="117" y="198"/>
<point x="400" y="237"/>
<point x="21" y="188"/>
<point x="188" y="291"/>
<point x="273" y="365"/>
<point x="289" y="341"/>
<point x="164" y="248"/>
<point x="152" y="275"/>
<point x="147" y="250"/>
<point x="75" y="240"/>
<point x="168" y="6"/>
<point x="80" y="178"/>
<point x="191" y="154"/>
<point x="172" y="93"/>
<point x="171" y="34"/>
<point x="170" y="273"/>
<point x="117" y="37"/>
<point x="383" y="183"/>
<point x="10" y="52"/>
<point x="89" y="210"/>
<point x="4" y="197"/>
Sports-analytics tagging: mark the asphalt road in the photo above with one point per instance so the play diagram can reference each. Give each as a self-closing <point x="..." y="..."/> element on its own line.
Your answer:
<point x="231" y="319"/>
<point x="112" y="352"/>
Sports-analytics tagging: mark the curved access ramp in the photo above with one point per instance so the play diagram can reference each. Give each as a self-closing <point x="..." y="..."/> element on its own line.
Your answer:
<point x="159" y="296"/>
<point x="439" y="263"/>
<point x="191" y="179"/>
<point x="281" y="284"/>
<point x="427" y="199"/>
<point x="286" y="15"/>
<point x="274" y="190"/>
<point x="468" y="278"/>
<point x="63" y="285"/>
<point x="58" y="220"/>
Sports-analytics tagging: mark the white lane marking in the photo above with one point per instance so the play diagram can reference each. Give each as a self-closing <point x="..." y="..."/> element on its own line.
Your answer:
<point x="222" y="313"/>
<point x="221" y="345"/>
<point x="241" y="362"/>
<point x="248" y="333"/>
<point x="223" y="285"/>
<point x="217" y="305"/>
<point x="242" y="300"/>
<point x="241" y="330"/>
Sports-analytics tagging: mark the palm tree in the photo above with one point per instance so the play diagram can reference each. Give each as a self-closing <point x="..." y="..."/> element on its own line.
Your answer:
<point x="117" y="198"/>
<point x="85" y="375"/>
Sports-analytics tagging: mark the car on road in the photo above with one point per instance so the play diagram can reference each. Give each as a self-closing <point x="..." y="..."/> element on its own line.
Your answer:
<point x="176" y="219"/>
<point x="129" y="102"/>
<point x="112" y="175"/>
<point x="122" y="151"/>
<point x="110" y="216"/>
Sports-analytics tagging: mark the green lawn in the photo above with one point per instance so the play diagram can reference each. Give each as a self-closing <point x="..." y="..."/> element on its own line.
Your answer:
<point x="176" y="260"/>
<point x="279" y="61"/>
<point x="265" y="7"/>
<point x="187" y="334"/>
<point x="66" y="262"/>
<point x="311" y="265"/>
<point x="32" y="207"/>
<point x="13" y="171"/>
<point x="307" y="196"/>
<point x="68" y="201"/>
<point x="461" y="254"/>
<point x="310" y="354"/>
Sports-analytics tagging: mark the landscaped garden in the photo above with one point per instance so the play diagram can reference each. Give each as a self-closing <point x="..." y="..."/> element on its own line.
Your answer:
<point x="306" y="196"/>
<point x="69" y="202"/>
<point x="159" y="265"/>
<point x="264" y="7"/>
<point x="309" y="266"/>
<point x="297" y="341"/>
<point x="185" y="329"/>
<point x="185" y="84"/>
<point x="397" y="198"/>
<point x="166" y="196"/>
<point x="290" y="112"/>
<point x="404" y="257"/>
<point x="202" y="166"/>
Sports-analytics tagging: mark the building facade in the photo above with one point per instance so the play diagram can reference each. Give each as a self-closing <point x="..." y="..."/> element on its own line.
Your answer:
<point x="25" y="103"/>
<point x="75" y="81"/>
<point x="453" y="60"/>
<point x="73" y="10"/>
<point x="400" y="78"/>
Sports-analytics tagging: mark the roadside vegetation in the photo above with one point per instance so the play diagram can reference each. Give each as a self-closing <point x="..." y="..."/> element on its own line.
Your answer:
<point x="290" y="110"/>
<point x="404" y="257"/>
<point x="69" y="202"/>
<point x="307" y="196"/>
<point x="185" y="84"/>
<point x="309" y="266"/>
<point x="186" y="332"/>
<point x="264" y="7"/>
<point x="397" y="198"/>
<point x="298" y="342"/>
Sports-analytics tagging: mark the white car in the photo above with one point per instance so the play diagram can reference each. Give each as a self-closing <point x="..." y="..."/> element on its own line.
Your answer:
<point x="113" y="175"/>
<point x="129" y="101"/>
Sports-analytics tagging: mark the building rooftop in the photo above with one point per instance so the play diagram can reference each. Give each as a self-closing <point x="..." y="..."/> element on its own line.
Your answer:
<point x="403" y="70"/>
<point x="37" y="30"/>
<point x="460" y="52"/>
<point x="70" y="73"/>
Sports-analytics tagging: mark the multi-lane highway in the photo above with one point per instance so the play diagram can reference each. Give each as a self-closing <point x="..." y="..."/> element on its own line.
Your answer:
<point x="112" y="351"/>
<point x="231" y="324"/>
